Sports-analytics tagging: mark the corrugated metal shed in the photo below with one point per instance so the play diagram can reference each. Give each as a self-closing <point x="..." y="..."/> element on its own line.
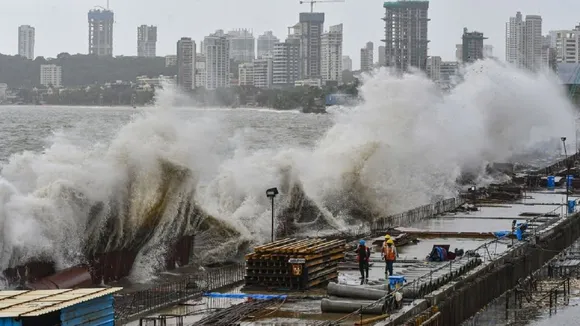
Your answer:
<point x="77" y="307"/>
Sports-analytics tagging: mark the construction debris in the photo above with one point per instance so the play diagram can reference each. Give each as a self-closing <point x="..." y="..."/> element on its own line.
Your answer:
<point x="293" y="264"/>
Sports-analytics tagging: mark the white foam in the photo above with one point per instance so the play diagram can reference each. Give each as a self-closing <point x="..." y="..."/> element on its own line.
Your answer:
<point x="404" y="145"/>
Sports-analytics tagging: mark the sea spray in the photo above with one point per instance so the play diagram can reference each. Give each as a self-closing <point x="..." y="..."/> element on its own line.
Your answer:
<point x="162" y="176"/>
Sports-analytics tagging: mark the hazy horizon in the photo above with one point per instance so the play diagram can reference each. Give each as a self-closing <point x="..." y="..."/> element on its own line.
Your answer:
<point x="61" y="25"/>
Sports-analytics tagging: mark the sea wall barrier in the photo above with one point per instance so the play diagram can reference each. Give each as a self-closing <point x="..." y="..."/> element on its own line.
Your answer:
<point x="417" y="214"/>
<point x="559" y="166"/>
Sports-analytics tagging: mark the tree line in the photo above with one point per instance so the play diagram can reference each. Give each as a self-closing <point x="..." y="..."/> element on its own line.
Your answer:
<point x="80" y="69"/>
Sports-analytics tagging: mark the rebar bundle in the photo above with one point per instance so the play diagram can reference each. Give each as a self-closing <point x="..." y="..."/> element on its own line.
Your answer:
<point x="236" y="313"/>
<point x="292" y="264"/>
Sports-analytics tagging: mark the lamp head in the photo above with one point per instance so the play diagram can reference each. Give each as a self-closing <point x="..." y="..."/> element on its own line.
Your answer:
<point x="272" y="192"/>
<point x="563" y="138"/>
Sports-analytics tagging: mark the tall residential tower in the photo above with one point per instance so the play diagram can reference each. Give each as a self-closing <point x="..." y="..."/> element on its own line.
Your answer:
<point x="406" y="34"/>
<point x="242" y="45"/>
<point x="26" y="35"/>
<point x="101" y="32"/>
<point x="266" y="43"/>
<point x="309" y="30"/>
<point x="472" y="46"/>
<point x="217" y="60"/>
<point x="146" y="41"/>
<point x="331" y="62"/>
<point x="367" y="57"/>
<point x="523" y="41"/>
<point x="186" y="63"/>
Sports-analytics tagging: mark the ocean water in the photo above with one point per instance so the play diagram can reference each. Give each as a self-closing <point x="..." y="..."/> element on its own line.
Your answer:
<point x="76" y="180"/>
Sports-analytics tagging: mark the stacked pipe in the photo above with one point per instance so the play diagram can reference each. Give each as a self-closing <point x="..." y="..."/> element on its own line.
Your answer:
<point x="347" y="299"/>
<point x="423" y="278"/>
<point x="292" y="264"/>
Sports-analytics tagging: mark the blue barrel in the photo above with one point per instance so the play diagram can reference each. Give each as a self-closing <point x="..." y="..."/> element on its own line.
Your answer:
<point x="571" y="206"/>
<point x="551" y="182"/>
<point x="569" y="179"/>
<point x="396" y="281"/>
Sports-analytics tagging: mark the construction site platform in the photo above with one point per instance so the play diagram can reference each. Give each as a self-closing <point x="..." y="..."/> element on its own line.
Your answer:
<point x="472" y="231"/>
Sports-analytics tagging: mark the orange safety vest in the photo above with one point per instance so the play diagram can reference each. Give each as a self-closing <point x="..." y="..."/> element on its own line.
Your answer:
<point x="367" y="253"/>
<point x="389" y="253"/>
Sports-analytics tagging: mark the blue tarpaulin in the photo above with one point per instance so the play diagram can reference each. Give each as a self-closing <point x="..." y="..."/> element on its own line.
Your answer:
<point x="571" y="206"/>
<point x="244" y="296"/>
<point x="501" y="234"/>
<point x="519" y="233"/>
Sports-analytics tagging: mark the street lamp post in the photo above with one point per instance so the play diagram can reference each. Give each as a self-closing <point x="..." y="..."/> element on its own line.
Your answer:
<point x="567" y="171"/>
<point x="271" y="193"/>
<point x="473" y="192"/>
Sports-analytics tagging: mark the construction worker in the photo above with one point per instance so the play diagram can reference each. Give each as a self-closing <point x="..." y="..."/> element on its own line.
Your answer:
<point x="387" y="237"/>
<point x="389" y="255"/>
<point x="363" y="254"/>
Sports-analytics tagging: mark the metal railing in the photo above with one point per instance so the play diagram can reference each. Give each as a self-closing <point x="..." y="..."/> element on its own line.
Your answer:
<point x="560" y="165"/>
<point x="487" y="252"/>
<point x="549" y="271"/>
<point x="417" y="214"/>
<point x="130" y="305"/>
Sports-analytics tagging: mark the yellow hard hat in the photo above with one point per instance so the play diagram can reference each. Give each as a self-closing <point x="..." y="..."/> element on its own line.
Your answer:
<point x="390" y="241"/>
<point x="387" y="236"/>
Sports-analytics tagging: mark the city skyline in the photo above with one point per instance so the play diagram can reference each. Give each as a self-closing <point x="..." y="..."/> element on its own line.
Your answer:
<point x="445" y="27"/>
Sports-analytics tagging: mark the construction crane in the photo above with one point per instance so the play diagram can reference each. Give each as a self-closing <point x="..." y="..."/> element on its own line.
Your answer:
<point x="312" y="2"/>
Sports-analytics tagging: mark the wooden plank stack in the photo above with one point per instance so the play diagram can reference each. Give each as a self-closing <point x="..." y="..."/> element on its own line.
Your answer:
<point x="294" y="264"/>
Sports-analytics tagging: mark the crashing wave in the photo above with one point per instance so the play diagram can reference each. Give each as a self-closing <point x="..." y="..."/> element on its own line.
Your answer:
<point x="162" y="176"/>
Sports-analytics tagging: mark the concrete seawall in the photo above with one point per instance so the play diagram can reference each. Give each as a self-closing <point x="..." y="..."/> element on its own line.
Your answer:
<point x="459" y="300"/>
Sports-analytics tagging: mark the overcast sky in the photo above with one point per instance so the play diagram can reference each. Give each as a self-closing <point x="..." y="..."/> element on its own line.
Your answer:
<point x="61" y="25"/>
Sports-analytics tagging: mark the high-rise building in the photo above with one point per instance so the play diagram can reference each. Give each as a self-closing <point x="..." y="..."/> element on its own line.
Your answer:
<point x="246" y="74"/>
<point x="514" y="40"/>
<point x="566" y="44"/>
<point x="434" y="68"/>
<point x="263" y="68"/>
<point x="459" y="52"/>
<point x="26" y="36"/>
<point x="548" y="53"/>
<point x="242" y="45"/>
<point x="101" y="32"/>
<point x="146" y="41"/>
<point x="472" y="46"/>
<point x="287" y="63"/>
<point x="382" y="58"/>
<point x="217" y="61"/>
<point x="532" y="44"/>
<point x="366" y="57"/>
<point x="200" y="71"/>
<point x="185" y="63"/>
<point x="406" y="28"/>
<point x="524" y="41"/>
<point x="448" y="72"/>
<point x="309" y="31"/>
<point x="346" y="63"/>
<point x="487" y="51"/>
<point x="331" y="62"/>
<point x="51" y="75"/>
<point x="266" y="43"/>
